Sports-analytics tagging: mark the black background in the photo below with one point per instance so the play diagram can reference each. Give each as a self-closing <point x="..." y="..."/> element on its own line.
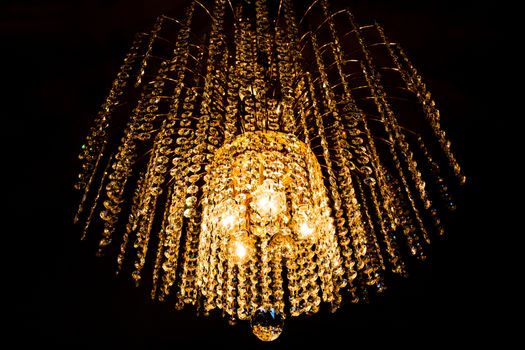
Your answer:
<point x="60" y="59"/>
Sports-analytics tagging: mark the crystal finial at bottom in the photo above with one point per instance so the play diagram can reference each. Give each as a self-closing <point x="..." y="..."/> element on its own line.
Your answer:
<point x="267" y="324"/>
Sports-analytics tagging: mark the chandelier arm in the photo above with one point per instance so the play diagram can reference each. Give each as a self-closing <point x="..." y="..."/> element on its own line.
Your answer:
<point x="205" y="10"/>
<point x="233" y="12"/>
<point x="307" y="11"/>
<point x="152" y="36"/>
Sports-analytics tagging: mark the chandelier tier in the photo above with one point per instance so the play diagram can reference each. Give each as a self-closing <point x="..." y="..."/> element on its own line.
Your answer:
<point x="268" y="162"/>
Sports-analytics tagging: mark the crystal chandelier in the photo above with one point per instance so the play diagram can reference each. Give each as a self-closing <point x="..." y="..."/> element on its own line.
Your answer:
<point x="261" y="163"/>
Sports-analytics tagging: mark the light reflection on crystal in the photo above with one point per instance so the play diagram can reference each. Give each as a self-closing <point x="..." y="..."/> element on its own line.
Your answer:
<point x="267" y="324"/>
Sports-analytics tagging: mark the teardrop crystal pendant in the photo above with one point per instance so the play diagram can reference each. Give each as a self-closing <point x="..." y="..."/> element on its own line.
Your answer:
<point x="267" y="324"/>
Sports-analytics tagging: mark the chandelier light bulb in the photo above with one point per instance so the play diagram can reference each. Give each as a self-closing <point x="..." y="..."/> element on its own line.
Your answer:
<point x="267" y="201"/>
<point x="240" y="249"/>
<point x="228" y="221"/>
<point x="306" y="230"/>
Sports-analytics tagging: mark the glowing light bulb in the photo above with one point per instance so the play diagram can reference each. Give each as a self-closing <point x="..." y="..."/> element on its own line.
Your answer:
<point x="240" y="250"/>
<point x="305" y="222"/>
<point x="305" y="230"/>
<point x="228" y="215"/>
<point x="228" y="221"/>
<point x="267" y="201"/>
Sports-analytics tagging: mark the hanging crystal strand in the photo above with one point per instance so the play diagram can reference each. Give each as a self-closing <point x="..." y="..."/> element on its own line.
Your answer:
<point x="405" y="218"/>
<point x="210" y="288"/>
<point x="222" y="266"/>
<point x="153" y="35"/>
<point x="231" y="291"/>
<point x="122" y="169"/>
<point x="285" y="44"/>
<point x="183" y="198"/>
<point x="440" y="183"/>
<point x="173" y="232"/>
<point x="388" y="227"/>
<point x="264" y="37"/>
<point x="129" y="225"/>
<point x="265" y="276"/>
<point x="373" y="276"/>
<point x="342" y="156"/>
<point x="392" y="135"/>
<point x="304" y="110"/>
<point x="208" y="131"/>
<point x="260" y="84"/>
<point x="342" y="232"/>
<point x="311" y="298"/>
<point x="204" y="243"/>
<point x="414" y="83"/>
<point x="188" y="281"/>
<point x="244" y="295"/>
<point x="363" y="156"/>
<point x="94" y="148"/>
<point x="277" y="286"/>
<point x="157" y="167"/>
<point x="253" y="276"/>
<point x="395" y="135"/>
<point x="302" y="279"/>
<point x="232" y="108"/>
<point x="325" y="259"/>
<point x="358" y="151"/>
<point x="206" y="236"/>
<point x="160" y="247"/>
<point x="96" y="200"/>
<point x="245" y="60"/>
<point x="149" y="192"/>
<point x="294" y="282"/>
<point x="265" y="78"/>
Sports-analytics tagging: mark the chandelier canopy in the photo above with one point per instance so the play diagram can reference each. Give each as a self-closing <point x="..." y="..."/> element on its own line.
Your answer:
<point x="261" y="163"/>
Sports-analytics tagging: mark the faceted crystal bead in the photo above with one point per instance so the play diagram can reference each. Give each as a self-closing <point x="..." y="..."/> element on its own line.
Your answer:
<point x="267" y="324"/>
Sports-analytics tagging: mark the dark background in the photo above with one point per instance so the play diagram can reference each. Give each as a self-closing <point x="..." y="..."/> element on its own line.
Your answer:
<point x="60" y="59"/>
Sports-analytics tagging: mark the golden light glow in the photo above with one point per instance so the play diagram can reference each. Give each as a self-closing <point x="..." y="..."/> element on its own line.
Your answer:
<point x="306" y="230"/>
<point x="267" y="201"/>
<point x="254" y="164"/>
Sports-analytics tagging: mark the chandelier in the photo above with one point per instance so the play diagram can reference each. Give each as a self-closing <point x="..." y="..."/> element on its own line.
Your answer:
<point x="262" y="163"/>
